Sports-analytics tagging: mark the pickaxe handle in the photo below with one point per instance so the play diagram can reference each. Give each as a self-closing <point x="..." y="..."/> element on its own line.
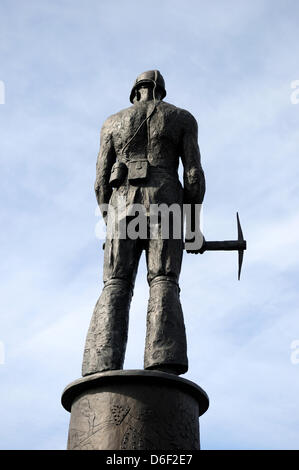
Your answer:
<point x="226" y="245"/>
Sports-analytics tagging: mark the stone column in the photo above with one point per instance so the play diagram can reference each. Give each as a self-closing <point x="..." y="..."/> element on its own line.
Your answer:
<point x="134" y="410"/>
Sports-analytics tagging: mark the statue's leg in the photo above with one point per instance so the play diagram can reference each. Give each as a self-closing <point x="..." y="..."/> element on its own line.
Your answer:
<point x="165" y="347"/>
<point x="107" y="335"/>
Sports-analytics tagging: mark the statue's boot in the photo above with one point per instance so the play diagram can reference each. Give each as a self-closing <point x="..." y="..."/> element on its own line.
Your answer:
<point x="165" y="347"/>
<point x="108" y="331"/>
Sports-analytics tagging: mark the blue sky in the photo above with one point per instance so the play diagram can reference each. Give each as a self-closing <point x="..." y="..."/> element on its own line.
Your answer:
<point x="66" y="66"/>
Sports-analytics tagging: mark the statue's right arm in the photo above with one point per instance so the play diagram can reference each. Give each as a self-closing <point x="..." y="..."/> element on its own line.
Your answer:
<point x="105" y="161"/>
<point x="194" y="181"/>
<point x="194" y="178"/>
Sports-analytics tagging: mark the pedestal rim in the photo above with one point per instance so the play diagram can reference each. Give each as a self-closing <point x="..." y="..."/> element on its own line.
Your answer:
<point x="77" y="387"/>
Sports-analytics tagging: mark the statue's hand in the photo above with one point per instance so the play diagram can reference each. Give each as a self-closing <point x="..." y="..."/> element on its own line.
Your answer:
<point x="196" y="251"/>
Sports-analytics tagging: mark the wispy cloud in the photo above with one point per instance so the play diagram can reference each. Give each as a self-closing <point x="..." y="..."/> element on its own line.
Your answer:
<point x="66" y="67"/>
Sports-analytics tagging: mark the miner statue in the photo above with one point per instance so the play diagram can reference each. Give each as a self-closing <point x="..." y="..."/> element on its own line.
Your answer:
<point x="140" y="151"/>
<point x="146" y="208"/>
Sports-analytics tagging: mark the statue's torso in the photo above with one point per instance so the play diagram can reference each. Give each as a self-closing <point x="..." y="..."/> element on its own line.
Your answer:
<point x="158" y="139"/>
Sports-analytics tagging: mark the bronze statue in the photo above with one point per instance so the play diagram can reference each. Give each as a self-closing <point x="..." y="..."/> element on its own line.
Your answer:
<point x="138" y="160"/>
<point x="137" y="171"/>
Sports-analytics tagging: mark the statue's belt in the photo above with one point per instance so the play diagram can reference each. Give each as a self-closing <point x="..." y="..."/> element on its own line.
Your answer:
<point x="137" y="170"/>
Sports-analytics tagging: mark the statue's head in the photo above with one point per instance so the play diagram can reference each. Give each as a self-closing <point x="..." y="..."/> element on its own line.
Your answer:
<point x="150" y="81"/>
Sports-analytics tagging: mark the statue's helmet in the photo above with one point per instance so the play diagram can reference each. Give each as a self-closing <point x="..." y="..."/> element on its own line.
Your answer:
<point x="153" y="77"/>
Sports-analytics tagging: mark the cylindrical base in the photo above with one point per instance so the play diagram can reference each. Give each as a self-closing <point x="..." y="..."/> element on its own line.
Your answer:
<point x="134" y="410"/>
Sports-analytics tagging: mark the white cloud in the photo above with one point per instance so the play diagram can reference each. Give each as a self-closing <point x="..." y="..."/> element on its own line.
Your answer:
<point x="66" y="69"/>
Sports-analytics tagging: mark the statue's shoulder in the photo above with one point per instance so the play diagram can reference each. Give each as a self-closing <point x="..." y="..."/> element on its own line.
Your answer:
<point x="112" y="121"/>
<point x="182" y="115"/>
<point x="120" y="114"/>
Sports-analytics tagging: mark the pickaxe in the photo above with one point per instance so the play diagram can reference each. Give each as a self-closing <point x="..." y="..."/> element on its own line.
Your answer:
<point x="227" y="245"/>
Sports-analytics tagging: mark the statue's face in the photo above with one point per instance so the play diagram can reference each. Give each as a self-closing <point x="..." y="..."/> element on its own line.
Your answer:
<point x="145" y="92"/>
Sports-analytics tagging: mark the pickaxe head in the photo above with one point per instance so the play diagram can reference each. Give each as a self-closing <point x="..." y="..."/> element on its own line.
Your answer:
<point x="242" y="246"/>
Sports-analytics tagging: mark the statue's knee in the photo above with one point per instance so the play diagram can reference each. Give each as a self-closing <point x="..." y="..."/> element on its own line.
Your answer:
<point x="164" y="282"/>
<point x="118" y="285"/>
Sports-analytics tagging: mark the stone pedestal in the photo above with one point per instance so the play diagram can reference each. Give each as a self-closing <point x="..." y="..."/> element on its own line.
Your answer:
<point x="134" y="410"/>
